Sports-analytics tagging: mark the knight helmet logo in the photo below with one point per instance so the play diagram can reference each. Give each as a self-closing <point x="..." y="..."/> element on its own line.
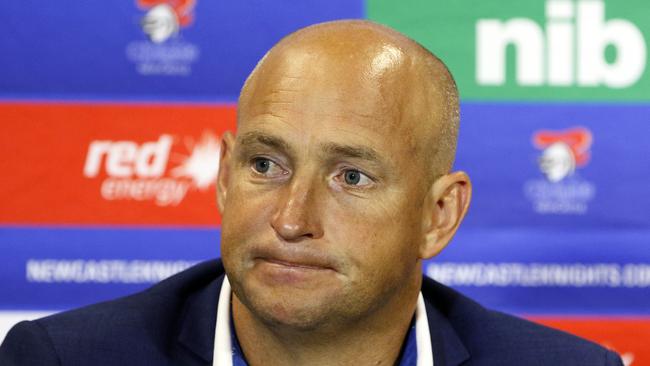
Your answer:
<point x="563" y="151"/>
<point x="164" y="18"/>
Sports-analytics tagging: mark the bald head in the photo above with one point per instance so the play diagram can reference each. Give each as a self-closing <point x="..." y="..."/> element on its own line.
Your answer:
<point x="387" y="74"/>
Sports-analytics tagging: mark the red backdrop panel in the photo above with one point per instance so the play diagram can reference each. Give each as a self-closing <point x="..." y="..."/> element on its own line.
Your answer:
<point x="109" y="164"/>
<point x="628" y="337"/>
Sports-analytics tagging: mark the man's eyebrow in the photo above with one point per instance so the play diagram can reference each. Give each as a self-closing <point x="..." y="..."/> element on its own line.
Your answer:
<point x="252" y="138"/>
<point x="330" y="148"/>
<point x="358" y="152"/>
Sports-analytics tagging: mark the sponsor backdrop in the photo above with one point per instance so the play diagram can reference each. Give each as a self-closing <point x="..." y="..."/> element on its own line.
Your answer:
<point x="112" y="112"/>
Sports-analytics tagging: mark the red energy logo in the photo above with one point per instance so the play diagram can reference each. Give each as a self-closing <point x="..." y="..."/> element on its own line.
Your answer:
<point x="142" y="172"/>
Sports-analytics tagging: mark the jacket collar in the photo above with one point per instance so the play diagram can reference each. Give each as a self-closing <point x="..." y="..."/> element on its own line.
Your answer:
<point x="199" y="320"/>
<point x="448" y="349"/>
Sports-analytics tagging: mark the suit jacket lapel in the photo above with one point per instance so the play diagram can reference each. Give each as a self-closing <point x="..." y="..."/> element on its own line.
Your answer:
<point x="199" y="320"/>
<point x="448" y="349"/>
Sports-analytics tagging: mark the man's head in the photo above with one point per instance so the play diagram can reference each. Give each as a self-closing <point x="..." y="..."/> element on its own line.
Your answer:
<point x="337" y="185"/>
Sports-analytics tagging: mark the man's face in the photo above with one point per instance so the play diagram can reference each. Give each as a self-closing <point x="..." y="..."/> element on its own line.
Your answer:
<point x="323" y="217"/>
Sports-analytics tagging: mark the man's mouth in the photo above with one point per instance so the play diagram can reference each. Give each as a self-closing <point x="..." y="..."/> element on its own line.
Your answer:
<point x="295" y="272"/>
<point x="298" y="260"/>
<point x="296" y="264"/>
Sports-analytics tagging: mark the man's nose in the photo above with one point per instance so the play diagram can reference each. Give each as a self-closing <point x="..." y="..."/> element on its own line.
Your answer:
<point x="297" y="216"/>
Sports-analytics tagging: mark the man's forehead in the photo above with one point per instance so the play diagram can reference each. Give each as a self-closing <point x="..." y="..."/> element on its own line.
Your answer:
<point x="320" y="132"/>
<point x="331" y="61"/>
<point x="352" y="148"/>
<point x="331" y="130"/>
<point x="365" y="89"/>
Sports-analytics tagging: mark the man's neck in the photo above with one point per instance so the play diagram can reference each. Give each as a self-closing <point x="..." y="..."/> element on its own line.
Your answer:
<point x="376" y="340"/>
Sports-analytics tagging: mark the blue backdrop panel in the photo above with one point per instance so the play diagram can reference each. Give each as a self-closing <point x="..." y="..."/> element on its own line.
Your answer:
<point x="64" y="268"/>
<point x="496" y="149"/>
<point x="97" y="49"/>
<point x="529" y="271"/>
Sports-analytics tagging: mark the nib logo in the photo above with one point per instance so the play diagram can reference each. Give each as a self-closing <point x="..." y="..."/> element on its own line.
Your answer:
<point x="164" y="18"/>
<point x="563" y="151"/>
<point x="142" y="172"/>
<point x="569" y="50"/>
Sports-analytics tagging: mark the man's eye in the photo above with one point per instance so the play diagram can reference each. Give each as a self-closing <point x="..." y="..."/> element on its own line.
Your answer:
<point x="266" y="167"/>
<point x="261" y="165"/>
<point x="356" y="178"/>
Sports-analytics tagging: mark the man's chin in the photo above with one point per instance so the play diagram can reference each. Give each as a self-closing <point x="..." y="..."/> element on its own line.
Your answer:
<point x="295" y="308"/>
<point x="293" y="315"/>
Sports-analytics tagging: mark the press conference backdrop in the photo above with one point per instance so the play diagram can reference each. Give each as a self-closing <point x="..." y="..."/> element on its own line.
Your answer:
<point x="112" y="113"/>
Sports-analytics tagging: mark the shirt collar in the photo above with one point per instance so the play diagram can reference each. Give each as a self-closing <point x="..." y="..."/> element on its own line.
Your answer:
<point x="224" y="347"/>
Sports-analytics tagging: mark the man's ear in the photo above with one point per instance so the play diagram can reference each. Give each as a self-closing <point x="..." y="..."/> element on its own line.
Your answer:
<point x="447" y="203"/>
<point x="225" y="157"/>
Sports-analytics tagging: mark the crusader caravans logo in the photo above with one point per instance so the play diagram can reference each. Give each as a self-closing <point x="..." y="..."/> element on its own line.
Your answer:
<point x="164" y="18"/>
<point x="562" y="191"/>
<point x="154" y="170"/>
<point x="164" y="52"/>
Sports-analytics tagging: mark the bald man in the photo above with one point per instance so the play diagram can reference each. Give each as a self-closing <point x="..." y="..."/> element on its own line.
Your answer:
<point x="336" y="188"/>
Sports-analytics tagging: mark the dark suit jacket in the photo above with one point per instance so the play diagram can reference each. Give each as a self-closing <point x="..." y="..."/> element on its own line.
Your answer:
<point x="173" y="323"/>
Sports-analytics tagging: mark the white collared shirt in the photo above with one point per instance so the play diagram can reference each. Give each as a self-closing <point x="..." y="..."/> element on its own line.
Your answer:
<point x="223" y="351"/>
